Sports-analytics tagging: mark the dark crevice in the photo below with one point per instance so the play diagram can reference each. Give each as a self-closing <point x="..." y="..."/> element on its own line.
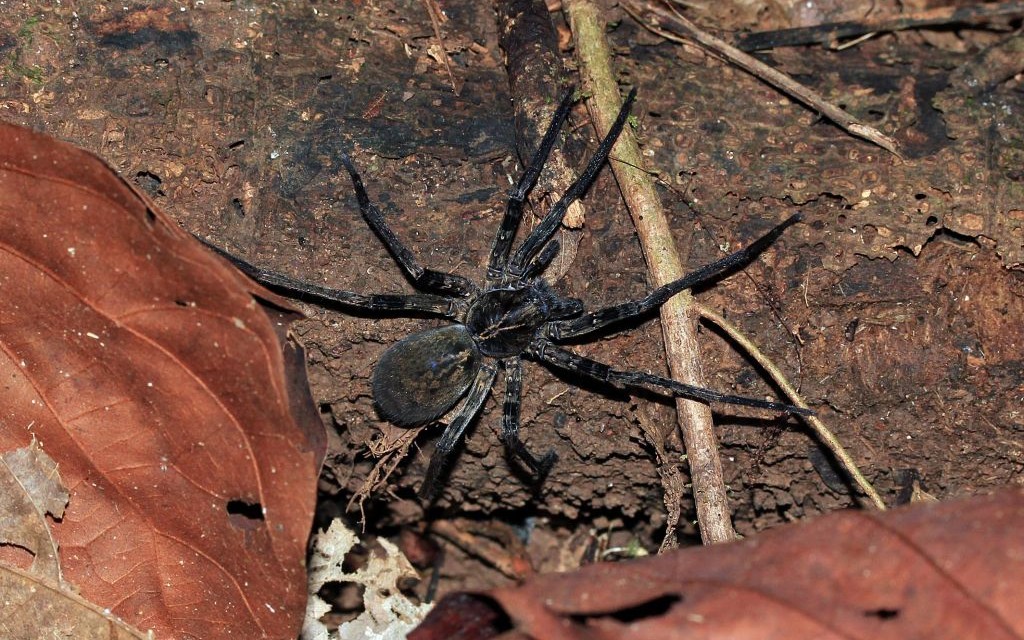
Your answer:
<point x="882" y="613"/>
<point x="244" y="514"/>
<point x="654" y="608"/>
<point x="150" y="183"/>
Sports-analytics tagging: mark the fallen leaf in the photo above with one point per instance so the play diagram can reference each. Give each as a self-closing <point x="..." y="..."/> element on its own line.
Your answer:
<point x="35" y="608"/>
<point x="36" y="602"/>
<point x="145" y="366"/>
<point x="937" y="570"/>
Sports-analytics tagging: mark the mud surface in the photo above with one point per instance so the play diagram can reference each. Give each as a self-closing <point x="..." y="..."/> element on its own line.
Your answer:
<point x="896" y="307"/>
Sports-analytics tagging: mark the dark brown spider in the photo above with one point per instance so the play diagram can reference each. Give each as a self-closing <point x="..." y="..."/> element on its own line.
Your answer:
<point x="515" y="315"/>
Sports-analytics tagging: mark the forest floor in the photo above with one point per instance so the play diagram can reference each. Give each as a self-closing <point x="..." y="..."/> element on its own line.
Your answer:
<point x="895" y="307"/>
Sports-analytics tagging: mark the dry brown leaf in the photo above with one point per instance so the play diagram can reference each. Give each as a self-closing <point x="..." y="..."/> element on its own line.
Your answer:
<point x="36" y="602"/>
<point x="35" y="608"/>
<point x="146" y="367"/>
<point x="30" y="489"/>
<point x="947" y="570"/>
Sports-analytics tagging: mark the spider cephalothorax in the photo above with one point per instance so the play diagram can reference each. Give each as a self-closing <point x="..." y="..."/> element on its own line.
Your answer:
<point x="515" y="315"/>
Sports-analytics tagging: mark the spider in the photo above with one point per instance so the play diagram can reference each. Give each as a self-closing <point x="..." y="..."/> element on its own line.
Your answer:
<point x="515" y="315"/>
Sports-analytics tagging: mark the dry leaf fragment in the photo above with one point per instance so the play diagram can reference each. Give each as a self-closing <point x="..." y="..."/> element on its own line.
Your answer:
<point x="388" y="614"/>
<point x="36" y="603"/>
<point x="30" y="489"/>
<point x="34" y="608"/>
<point x="942" y="570"/>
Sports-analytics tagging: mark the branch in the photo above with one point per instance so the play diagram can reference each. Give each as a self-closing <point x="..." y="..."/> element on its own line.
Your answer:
<point x="677" y="315"/>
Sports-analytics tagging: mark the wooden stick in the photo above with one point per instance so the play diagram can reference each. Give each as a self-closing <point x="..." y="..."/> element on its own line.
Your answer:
<point x="666" y="23"/>
<point x="435" y="20"/>
<point x="537" y="81"/>
<point x="677" y="316"/>
<point x="831" y="32"/>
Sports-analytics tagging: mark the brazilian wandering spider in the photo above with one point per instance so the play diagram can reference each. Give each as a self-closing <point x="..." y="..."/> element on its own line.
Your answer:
<point x="514" y="315"/>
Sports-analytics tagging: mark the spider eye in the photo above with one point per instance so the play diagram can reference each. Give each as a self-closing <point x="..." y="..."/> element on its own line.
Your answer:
<point x="420" y="378"/>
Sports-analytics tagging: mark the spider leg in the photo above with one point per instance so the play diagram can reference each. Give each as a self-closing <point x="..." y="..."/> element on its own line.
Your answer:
<point x="595" y="320"/>
<point x="549" y="225"/>
<point x="426" y="279"/>
<point x="558" y="357"/>
<point x="453" y="432"/>
<point x="422" y="303"/>
<point x="516" y="199"/>
<point x="537" y="266"/>
<point x="510" y="422"/>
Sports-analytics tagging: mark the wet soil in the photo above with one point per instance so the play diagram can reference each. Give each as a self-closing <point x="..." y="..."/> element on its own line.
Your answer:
<point x="895" y="307"/>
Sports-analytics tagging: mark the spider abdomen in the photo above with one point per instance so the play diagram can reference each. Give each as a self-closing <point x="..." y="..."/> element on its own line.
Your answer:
<point x="419" y="378"/>
<point x="505" y="321"/>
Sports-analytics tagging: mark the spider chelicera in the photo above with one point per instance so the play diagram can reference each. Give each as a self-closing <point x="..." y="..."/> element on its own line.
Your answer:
<point x="514" y="315"/>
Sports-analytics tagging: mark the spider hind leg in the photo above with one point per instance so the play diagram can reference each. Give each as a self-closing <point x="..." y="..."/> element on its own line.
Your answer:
<point x="453" y="432"/>
<point x="510" y="423"/>
<point x="547" y="352"/>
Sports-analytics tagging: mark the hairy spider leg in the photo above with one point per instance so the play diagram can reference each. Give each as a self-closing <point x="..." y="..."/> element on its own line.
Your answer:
<point x="549" y="225"/>
<point x="514" y="208"/>
<point x="537" y="267"/>
<point x="547" y="352"/>
<point x="595" y="320"/>
<point x="419" y="302"/>
<point x="425" y="279"/>
<point x="453" y="432"/>
<point x="510" y="422"/>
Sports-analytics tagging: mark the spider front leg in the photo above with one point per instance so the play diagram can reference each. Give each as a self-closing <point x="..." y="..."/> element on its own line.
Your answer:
<point x="426" y="279"/>
<point x="547" y="352"/>
<point x="510" y="422"/>
<point x="549" y="225"/>
<point x="453" y="432"/>
<point x="514" y="208"/>
<point x="594" y="320"/>
<point x="420" y="303"/>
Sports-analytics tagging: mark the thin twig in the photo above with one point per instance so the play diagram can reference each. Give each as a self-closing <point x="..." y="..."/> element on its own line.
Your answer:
<point x="831" y="32"/>
<point x="673" y="485"/>
<point x="388" y="452"/>
<point x="665" y="23"/>
<point x="436" y="17"/>
<point x="824" y="434"/>
<point x="663" y="260"/>
<point x="506" y="555"/>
